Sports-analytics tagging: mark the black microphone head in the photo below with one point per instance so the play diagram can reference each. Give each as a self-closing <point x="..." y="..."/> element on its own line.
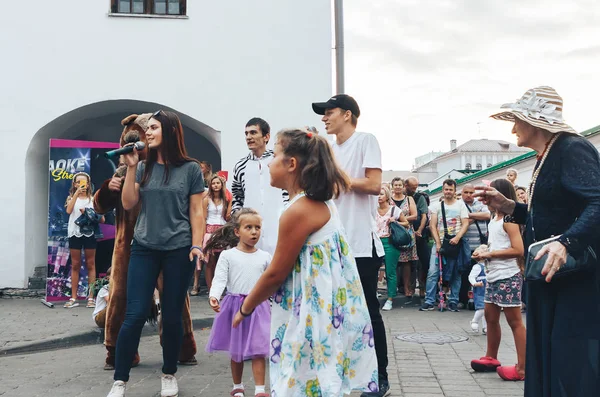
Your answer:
<point x="140" y="145"/>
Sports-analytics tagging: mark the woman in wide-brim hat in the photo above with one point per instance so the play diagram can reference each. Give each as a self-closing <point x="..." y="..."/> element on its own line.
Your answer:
<point x="563" y="311"/>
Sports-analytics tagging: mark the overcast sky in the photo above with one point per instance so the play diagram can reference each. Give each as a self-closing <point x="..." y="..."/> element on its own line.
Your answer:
<point x="427" y="71"/>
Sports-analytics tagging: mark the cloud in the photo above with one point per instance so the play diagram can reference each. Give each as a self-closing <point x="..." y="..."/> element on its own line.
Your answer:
<point x="426" y="71"/>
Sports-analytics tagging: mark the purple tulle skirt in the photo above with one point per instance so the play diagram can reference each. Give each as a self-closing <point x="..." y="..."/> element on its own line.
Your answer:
<point x="249" y="340"/>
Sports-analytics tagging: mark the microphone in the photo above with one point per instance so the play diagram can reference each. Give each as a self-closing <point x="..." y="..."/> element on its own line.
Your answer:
<point x="127" y="149"/>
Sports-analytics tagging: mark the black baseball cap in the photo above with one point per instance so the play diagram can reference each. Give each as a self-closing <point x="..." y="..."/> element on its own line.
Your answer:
<point x="342" y="101"/>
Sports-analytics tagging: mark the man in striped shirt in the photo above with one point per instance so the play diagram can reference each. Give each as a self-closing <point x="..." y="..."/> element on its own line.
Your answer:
<point x="251" y="184"/>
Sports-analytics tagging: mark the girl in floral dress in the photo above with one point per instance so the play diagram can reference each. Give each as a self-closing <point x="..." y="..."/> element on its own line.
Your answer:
<point x="321" y="336"/>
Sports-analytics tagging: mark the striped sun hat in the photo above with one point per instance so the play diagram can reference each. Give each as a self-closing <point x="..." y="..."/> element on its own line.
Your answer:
<point x="541" y="107"/>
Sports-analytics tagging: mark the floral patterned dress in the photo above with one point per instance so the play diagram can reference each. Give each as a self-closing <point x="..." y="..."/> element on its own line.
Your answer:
<point x="411" y="253"/>
<point x="321" y="335"/>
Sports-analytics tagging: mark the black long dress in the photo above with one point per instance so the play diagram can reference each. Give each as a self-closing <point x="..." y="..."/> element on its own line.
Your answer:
<point x="563" y="316"/>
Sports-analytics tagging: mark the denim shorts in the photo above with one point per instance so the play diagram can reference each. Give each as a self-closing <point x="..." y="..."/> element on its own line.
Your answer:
<point x="505" y="292"/>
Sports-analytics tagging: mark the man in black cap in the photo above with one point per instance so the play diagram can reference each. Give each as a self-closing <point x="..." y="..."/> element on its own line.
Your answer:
<point x="359" y="155"/>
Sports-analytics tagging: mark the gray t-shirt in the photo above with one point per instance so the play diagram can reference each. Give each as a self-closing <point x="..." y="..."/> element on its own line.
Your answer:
<point x="164" y="220"/>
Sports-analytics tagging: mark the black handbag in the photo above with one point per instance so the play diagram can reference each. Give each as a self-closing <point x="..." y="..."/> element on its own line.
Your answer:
<point x="399" y="235"/>
<point x="587" y="261"/>
<point x="448" y="249"/>
<point x="482" y="237"/>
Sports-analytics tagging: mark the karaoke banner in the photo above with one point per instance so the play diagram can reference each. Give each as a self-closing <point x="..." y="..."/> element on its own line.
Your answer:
<point x="68" y="157"/>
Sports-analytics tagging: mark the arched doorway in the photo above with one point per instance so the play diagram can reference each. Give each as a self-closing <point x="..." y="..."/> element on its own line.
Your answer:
<point x="100" y="121"/>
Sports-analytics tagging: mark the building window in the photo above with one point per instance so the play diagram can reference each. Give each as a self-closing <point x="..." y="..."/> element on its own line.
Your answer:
<point x="156" y="7"/>
<point x="479" y="166"/>
<point x="468" y="166"/>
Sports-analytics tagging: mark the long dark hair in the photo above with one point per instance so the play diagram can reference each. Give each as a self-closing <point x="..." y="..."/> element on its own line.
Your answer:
<point x="172" y="148"/>
<point x="505" y="187"/>
<point x="222" y="194"/>
<point x="318" y="174"/>
<point x="225" y="238"/>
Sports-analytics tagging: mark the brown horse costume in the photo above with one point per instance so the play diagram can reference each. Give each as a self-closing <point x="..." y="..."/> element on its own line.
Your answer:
<point x="106" y="200"/>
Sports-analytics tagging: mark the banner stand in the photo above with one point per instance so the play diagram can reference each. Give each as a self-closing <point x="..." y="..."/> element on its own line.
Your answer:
<point x="68" y="157"/>
<point x="46" y="303"/>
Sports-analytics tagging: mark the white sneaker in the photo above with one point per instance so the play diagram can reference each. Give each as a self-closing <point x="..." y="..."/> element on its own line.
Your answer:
<point x="118" y="389"/>
<point x="474" y="326"/>
<point x="388" y="305"/>
<point x="169" y="386"/>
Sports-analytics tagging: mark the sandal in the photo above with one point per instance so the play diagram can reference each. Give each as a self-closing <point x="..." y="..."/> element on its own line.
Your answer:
<point x="262" y="395"/>
<point x="485" y="364"/>
<point x="509" y="373"/>
<point x="237" y="392"/>
<point x="91" y="303"/>
<point x="71" y="303"/>
<point x="194" y="292"/>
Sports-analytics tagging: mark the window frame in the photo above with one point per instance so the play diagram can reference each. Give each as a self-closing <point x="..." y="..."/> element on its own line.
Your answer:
<point x="149" y="8"/>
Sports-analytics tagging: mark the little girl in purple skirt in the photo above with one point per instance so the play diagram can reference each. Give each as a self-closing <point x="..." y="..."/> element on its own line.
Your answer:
<point x="239" y="269"/>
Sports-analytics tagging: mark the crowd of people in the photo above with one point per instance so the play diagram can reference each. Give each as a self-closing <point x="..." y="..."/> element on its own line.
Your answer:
<point x="300" y="293"/>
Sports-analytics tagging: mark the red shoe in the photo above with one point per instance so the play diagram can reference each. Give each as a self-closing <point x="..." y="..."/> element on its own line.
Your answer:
<point x="485" y="364"/>
<point x="509" y="373"/>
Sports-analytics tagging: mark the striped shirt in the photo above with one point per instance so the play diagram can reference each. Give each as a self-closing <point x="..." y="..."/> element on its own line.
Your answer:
<point x="472" y="235"/>
<point x="251" y="187"/>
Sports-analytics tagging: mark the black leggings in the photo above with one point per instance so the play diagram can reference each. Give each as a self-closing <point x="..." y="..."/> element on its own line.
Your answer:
<point x="368" y="270"/>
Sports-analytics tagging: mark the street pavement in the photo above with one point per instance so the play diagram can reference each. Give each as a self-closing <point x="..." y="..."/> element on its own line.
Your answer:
<point x="415" y="369"/>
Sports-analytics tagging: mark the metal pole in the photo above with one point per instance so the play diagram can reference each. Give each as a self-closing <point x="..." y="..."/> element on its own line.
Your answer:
<point x="338" y="15"/>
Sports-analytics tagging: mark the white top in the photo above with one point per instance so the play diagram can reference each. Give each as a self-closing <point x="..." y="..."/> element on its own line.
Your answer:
<point x="100" y="301"/>
<point x="455" y="213"/>
<point x="264" y="198"/>
<point x="238" y="271"/>
<point x="358" y="210"/>
<point x="215" y="214"/>
<point x="81" y="203"/>
<point x="499" y="269"/>
<point x="333" y="225"/>
<point x="474" y="276"/>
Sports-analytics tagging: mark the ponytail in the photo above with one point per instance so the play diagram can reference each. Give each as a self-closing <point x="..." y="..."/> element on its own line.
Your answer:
<point x="319" y="175"/>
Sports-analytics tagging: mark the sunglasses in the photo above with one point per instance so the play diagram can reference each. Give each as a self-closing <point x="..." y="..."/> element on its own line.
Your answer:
<point x="157" y="113"/>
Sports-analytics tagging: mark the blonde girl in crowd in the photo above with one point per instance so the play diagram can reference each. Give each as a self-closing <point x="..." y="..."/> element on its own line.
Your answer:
<point x="387" y="214"/>
<point x="80" y="198"/>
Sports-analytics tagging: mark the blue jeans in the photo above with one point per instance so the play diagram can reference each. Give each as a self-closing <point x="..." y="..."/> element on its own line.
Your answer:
<point x="145" y="265"/>
<point x="433" y="277"/>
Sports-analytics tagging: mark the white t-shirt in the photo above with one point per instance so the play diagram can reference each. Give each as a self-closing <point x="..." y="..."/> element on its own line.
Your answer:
<point x="238" y="271"/>
<point x="358" y="210"/>
<point x="100" y="301"/>
<point x="81" y="203"/>
<point x="267" y="200"/>
<point x="454" y="215"/>
<point x="499" y="269"/>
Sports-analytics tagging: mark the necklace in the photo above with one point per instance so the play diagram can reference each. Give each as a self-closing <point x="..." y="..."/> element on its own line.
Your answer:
<point x="541" y="162"/>
<point x="539" y="156"/>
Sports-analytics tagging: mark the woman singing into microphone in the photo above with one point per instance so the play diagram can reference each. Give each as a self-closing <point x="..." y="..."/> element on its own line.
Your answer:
<point x="168" y="236"/>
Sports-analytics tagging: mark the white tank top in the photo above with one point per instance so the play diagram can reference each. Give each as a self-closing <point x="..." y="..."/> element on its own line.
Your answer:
<point x="215" y="214"/>
<point x="499" y="269"/>
<point x="72" y="229"/>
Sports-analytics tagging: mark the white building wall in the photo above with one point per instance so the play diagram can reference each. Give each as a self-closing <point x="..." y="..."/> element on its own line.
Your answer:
<point x="229" y="61"/>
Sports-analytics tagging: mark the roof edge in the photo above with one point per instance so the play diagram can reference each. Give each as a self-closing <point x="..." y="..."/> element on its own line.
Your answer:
<point x="587" y="134"/>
